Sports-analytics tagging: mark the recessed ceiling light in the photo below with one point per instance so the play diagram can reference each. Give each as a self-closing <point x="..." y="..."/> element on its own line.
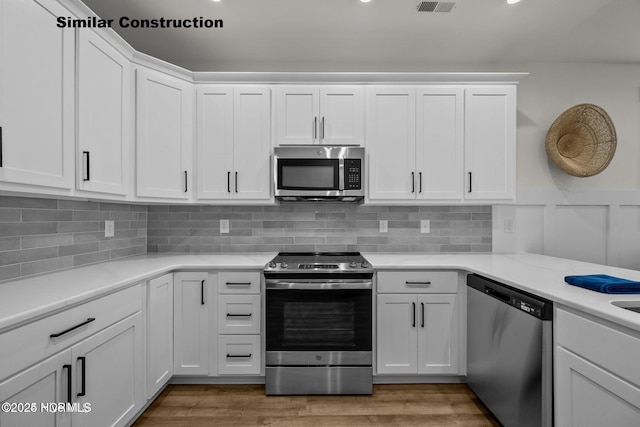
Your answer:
<point x="365" y="1"/>
<point x="513" y="1"/>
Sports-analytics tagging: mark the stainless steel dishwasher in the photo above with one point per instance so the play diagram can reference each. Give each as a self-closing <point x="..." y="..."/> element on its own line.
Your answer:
<point x="510" y="353"/>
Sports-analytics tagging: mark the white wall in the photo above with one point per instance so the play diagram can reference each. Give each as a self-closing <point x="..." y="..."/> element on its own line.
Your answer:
<point x="593" y="219"/>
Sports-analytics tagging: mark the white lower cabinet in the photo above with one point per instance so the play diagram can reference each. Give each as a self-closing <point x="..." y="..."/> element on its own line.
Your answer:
<point x="238" y="342"/>
<point x="191" y="323"/>
<point x="239" y="355"/>
<point x="109" y="374"/>
<point x="47" y="381"/>
<point x="418" y="333"/>
<point x="217" y="323"/>
<point x="597" y="382"/>
<point x="159" y="333"/>
<point x="100" y="374"/>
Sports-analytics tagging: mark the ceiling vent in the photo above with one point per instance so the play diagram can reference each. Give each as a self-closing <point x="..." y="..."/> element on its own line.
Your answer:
<point x="436" y="6"/>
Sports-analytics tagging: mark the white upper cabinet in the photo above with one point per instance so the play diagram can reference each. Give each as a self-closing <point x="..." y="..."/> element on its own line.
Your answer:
<point x="233" y="143"/>
<point x="414" y="140"/>
<point x="164" y="116"/>
<point x="104" y="128"/>
<point x="36" y="96"/>
<point x="319" y="115"/>
<point x="391" y="142"/>
<point x="419" y="142"/>
<point x="490" y="143"/>
<point x="439" y="140"/>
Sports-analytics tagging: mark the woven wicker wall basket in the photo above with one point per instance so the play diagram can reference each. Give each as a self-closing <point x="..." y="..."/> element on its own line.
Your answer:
<point x="582" y="140"/>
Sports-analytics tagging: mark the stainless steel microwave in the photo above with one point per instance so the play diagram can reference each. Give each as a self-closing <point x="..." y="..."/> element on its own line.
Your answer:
<point x="319" y="173"/>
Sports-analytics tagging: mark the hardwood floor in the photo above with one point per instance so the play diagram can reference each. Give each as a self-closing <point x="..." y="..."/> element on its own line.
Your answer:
<point x="427" y="405"/>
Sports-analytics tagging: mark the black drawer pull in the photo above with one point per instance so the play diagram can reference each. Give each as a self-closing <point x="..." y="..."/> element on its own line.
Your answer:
<point x="238" y="283"/>
<point x="239" y="315"/>
<point x="239" y="355"/>
<point x="417" y="283"/>
<point x="89" y="320"/>
<point x="84" y="375"/>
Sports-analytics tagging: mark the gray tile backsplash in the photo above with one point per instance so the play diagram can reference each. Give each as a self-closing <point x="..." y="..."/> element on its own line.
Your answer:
<point x="318" y="227"/>
<point x="43" y="235"/>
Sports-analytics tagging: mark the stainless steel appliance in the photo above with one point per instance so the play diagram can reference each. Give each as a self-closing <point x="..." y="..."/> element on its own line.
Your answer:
<point x="509" y="352"/>
<point x="319" y="172"/>
<point x="318" y="324"/>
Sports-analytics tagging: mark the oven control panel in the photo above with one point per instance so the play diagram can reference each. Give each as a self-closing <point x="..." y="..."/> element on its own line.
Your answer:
<point x="352" y="174"/>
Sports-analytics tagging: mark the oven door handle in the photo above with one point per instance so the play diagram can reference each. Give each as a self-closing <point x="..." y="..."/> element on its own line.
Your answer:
<point x="308" y="285"/>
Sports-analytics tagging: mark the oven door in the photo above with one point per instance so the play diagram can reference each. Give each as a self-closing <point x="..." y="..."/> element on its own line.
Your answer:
<point x="318" y="324"/>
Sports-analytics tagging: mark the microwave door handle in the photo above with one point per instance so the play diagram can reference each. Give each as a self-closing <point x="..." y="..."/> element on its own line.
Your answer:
<point x="341" y="175"/>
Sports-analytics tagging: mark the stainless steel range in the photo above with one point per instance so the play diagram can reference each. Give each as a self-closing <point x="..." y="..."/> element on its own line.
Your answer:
<point x="318" y="324"/>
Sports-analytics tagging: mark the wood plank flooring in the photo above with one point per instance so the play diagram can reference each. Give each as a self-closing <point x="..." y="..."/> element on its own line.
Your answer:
<point x="427" y="405"/>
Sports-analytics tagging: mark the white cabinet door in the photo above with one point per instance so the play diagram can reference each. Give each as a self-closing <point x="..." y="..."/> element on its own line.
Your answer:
<point x="490" y="142"/>
<point x="45" y="382"/>
<point x="104" y="128"/>
<point x="109" y="374"/>
<point x="164" y="115"/>
<point x="252" y="143"/>
<point x="589" y="396"/>
<point x="296" y="115"/>
<point x="214" y="142"/>
<point x="36" y="95"/>
<point x="233" y="143"/>
<point x="191" y="323"/>
<point x="438" y="328"/>
<point x="341" y="119"/>
<point x="159" y="333"/>
<point x="391" y="143"/>
<point x="396" y="334"/>
<point x="439" y="143"/>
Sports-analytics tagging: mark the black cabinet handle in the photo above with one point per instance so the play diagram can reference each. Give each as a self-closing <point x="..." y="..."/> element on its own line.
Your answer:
<point x="236" y="182"/>
<point x="185" y="181"/>
<point x="420" y="181"/>
<point x="422" y="314"/>
<point x="89" y="320"/>
<point x="239" y="355"/>
<point x="238" y="283"/>
<point x="322" y="130"/>
<point x="470" y="188"/>
<point x="413" y="182"/>
<point x="417" y="283"/>
<point x="315" y="127"/>
<point x="413" y="323"/>
<point x="83" y="372"/>
<point x="1" y="164"/>
<point x="68" y="368"/>
<point x="239" y="315"/>
<point x="202" y="292"/>
<point x="87" y="163"/>
<point x="229" y="182"/>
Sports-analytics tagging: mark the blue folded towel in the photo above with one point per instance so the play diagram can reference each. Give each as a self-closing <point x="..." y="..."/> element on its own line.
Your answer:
<point x="604" y="283"/>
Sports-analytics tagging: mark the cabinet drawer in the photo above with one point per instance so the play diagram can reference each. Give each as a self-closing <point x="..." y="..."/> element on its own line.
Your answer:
<point x="33" y="342"/>
<point x="239" y="355"/>
<point x="239" y="282"/>
<point x="417" y="282"/>
<point x="613" y="350"/>
<point x="239" y="314"/>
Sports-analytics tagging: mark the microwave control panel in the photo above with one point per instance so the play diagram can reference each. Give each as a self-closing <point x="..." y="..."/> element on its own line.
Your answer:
<point x="352" y="174"/>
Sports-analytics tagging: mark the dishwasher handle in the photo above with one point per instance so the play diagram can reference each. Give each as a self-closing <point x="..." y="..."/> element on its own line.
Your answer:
<point x="497" y="294"/>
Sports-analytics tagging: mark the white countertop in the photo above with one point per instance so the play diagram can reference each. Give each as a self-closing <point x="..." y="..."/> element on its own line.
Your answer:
<point x="31" y="298"/>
